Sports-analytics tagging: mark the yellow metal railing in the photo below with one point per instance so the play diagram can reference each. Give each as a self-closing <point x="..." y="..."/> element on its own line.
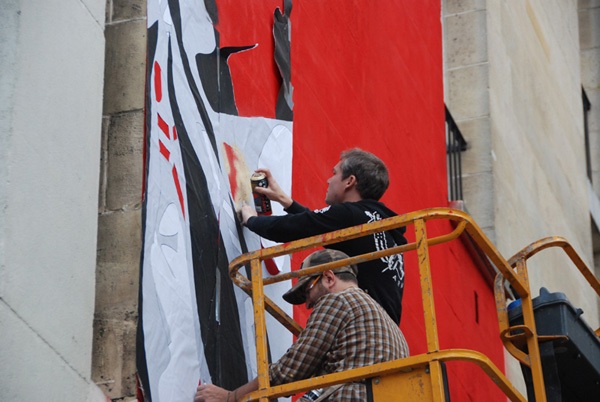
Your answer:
<point x="431" y="361"/>
<point x="514" y="337"/>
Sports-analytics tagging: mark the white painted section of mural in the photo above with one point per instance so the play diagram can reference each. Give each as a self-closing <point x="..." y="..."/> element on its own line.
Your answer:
<point x="50" y="113"/>
<point x="174" y="349"/>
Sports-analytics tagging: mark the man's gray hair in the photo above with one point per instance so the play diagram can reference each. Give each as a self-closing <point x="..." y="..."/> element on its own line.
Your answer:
<point x="371" y="173"/>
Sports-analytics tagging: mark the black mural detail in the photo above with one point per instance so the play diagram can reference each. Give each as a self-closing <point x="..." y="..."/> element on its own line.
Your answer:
<point x="140" y="355"/>
<point x="216" y="78"/>
<point x="213" y="12"/>
<point x="176" y="18"/>
<point x="216" y="302"/>
<point x="217" y="306"/>
<point x="281" y="35"/>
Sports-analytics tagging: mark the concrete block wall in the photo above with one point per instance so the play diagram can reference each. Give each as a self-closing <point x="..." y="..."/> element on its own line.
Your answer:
<point x="119" y="199"/>
<point x="52" y="61"/>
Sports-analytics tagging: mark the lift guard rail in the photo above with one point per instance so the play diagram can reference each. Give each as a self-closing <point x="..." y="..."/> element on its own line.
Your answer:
<point x="425" y="368"/>
<point x="515" y="336"/>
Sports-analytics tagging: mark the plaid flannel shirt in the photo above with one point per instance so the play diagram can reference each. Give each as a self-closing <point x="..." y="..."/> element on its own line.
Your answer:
<point x="345" y="330"/>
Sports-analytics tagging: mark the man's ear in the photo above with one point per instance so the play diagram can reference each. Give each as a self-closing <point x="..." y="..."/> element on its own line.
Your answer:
<point x="350" y="181"/>
<point x="328" y="278"/>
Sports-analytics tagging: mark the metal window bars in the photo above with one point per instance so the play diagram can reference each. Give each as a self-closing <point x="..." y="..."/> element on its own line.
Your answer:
<point x="455" y="144"/>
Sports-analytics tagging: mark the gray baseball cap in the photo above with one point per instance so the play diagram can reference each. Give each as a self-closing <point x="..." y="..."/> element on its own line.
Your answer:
<point x="296" y="294"/>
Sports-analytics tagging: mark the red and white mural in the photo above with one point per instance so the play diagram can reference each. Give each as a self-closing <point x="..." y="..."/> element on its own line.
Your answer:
<point x="225" y="80"/>
<point x="194" y="324"/>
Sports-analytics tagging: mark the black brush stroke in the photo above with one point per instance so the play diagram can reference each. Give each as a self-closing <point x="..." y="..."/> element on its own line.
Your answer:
<point x="223" y="346"/>
<point x="176" y="18"/>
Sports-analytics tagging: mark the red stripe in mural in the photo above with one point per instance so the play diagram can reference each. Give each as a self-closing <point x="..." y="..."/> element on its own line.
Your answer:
<point x="174" y="133"/>
<point x="163" y="126"/>
<point x="164" y="150"/>
<point x="232" y="159"/>
<point x="157" y="82"/>
<point x="271" y="266"/>
<point x="179" y="193"/>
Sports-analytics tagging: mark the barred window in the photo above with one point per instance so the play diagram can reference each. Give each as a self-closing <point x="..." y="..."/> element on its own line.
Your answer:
<point x="455" y="144"/>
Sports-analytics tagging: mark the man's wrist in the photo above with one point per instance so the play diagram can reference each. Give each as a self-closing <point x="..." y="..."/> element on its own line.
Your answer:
<point x="286" y="202"/>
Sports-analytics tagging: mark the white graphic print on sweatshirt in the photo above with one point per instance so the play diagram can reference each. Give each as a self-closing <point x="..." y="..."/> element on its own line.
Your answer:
<point x="395" y="262"/>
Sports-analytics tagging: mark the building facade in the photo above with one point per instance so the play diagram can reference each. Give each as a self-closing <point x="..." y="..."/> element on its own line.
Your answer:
<point x="73" y="99"/>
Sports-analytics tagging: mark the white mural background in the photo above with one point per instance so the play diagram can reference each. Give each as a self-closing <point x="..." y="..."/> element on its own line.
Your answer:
<point x="174" y="354"/>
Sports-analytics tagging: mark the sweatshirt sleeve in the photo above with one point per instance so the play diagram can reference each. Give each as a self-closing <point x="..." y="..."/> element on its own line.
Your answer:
<point x="295" y="208"/>
<point x="300" y="225"/>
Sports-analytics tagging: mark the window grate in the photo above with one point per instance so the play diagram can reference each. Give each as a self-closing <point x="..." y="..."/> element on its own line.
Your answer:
<point x="455" y="144"/>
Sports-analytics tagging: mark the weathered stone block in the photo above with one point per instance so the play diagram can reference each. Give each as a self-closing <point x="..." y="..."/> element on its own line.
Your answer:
<point x="594" y="135"/>
<point x="593" y="95"/>
<point x="125" y="153"/>
<point x="128" y="9"/>
<point x="595" y="159"/>
<point x="461" y="6"/>
<point x="468" y="92"/>
<point x="477" y="158"/>
<point x="588" y="3"/>
<point x="478" y="190"/>
<point x="114" y="368"/>
<point x="118" y="261"/>
<point x="589" y="28"/>
<point x="125" y="68"/>
<point x="117" y="289"/>
<point x="102" y="186"/>
<point x="590" y="67"/>
<point x="465" y="38"/>
<point x="107" y="11"/>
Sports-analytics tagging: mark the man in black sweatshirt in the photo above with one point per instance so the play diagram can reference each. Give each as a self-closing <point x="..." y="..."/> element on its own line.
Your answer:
<point x="359" y="180"/>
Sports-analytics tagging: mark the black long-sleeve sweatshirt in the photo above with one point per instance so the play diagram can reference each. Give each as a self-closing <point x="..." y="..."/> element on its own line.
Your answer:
<point x="383" y="278"/>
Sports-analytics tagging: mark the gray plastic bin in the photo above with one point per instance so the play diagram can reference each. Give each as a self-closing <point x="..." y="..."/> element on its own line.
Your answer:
<point x="572" y="366"/>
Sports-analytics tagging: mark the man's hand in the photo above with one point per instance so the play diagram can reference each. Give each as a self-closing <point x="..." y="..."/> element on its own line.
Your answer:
<point x="246" y="211"/>
<point x="211" y="393"/>
<point x="273" y="192"/>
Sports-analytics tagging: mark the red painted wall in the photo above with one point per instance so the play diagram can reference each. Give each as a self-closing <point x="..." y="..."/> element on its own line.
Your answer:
<point x="369" y="75"/>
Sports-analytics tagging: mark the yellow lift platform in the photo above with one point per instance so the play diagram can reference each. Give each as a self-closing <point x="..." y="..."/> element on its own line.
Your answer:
<point x="420" y="377"/>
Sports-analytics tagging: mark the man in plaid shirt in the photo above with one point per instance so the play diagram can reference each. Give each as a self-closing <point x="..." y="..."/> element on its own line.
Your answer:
<point x="346" y="329"/>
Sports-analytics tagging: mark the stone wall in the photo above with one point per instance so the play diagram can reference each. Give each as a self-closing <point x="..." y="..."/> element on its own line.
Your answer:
<point x="513" y="77"/>
<point x="120" y="199"/>
<point x="589" y="42"/>
<point x="466" y="82"/>
<point x="538" y="143"/>
<point x="513" y="84"/>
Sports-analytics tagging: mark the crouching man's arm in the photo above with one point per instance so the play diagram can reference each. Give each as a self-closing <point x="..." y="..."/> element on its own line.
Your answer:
<point x="212" y="393"/>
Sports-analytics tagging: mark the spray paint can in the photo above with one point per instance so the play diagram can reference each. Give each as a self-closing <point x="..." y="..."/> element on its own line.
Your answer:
<point x="261" y="203"/>
<point x="313" y="395"/>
